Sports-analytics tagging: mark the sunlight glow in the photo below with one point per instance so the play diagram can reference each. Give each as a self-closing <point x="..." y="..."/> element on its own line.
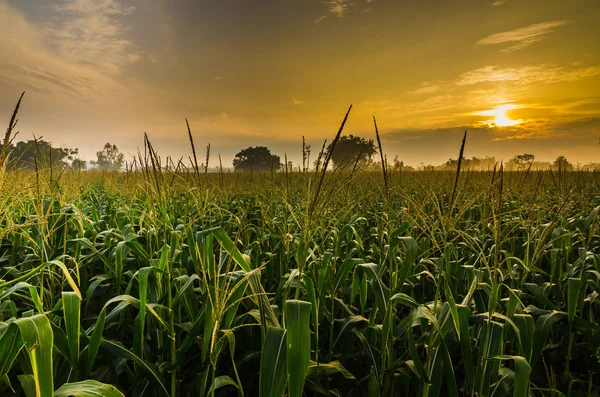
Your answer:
<point x="500" y="117"/>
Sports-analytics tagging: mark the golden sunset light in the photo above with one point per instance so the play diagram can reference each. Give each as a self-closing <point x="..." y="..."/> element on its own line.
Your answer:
<point x="300" y="198"/>
<point x="271" y="72"/>
<point x="500" y="118"/>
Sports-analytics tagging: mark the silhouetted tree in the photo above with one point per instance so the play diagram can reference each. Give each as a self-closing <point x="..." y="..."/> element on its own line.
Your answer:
<point x="561" y="163"/>
<point x="258" y="158"/>
<point x="109" y="158"/>
<point x="23" y="154"/>
<point x="398" y="165"/>
<point x="522" y="159"/>
<point x="349" y="148"/>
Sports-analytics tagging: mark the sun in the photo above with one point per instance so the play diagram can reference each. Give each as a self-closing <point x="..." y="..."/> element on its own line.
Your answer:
<point x="500" y="117"/>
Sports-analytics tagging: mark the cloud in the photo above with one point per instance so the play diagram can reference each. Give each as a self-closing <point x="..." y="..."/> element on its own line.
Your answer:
<point x="92" y="33"/>
<point x="427" y="87"/>
<point x="544" y="137"/>
<point x="522" y="37"/>
<point x="221" y="117"/>
<point x="498" y="3"/>
<point x="297" y="102"/>
<point x="219" y="78"/>
<point x="544" y="73"/>
<point x="50" y="82"/>
<point x="489" y="96"/>
<point x="32" y="66"/>
<point x="339" y="7"/>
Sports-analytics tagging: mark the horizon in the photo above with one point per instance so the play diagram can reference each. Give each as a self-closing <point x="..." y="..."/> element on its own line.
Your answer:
<point x="520" y="78"/>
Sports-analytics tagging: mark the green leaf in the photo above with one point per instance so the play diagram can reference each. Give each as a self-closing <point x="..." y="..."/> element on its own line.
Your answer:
<point x="36" y="299"/>
<point x="543" y="326"/>
<point x="373" y="385"/>
<point x="67" y="276"/>
<point x="222" y="381"/>
<point x="539" y="295"/>
<point x="405" y="300"/>
<point x="273" y="365"/>
<point x="87" y="388"/>
<point x="526" y="327"/>
<point x="350" y="322"/>
<point x="380" y="290"/>
<point x="71" y="312"/>
<point x="95" y="340"/>
<point x="522" y="373"/>
<point x="153" y="376"/>
<point x="320" y="369"/>
<point x="573" y="293"/>
<point x="38" y="339"/>
<point x="411" y="251"/>
<point x="254" y="280"/>
<point x="10" y="345"/>
<point x="297" y="317"/>
<point x="28" y="385"/>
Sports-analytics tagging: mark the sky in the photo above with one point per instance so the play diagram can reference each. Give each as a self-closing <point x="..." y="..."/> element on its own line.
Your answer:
<point x="519" y="75"/>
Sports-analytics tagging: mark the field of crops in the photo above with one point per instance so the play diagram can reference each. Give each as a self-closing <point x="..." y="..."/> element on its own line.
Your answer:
<point x="173" y="284"/>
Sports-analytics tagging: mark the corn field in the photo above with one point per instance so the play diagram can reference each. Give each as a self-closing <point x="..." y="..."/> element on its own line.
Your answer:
<point x="162" y="282"/>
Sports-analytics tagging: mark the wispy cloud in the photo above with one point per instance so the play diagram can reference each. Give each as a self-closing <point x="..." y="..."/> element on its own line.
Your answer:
<point x="427" y="87"/>
<point x="523" y="75"/>
<point x="522" y="37"/>
<point x="339" y="8"/>
<point x="48" y="81"/>
<point x="92" y="33"/>
<point x="297" y="102"/>
<point x="32" y="66"/>
<point x="219" y="78"/>
<point x="498" y="3"/>
<point x="473" y="97"/>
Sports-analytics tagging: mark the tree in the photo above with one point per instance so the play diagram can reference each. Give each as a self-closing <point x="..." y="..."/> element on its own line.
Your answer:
<point x="522" y="159"/>
<point x="561" y="163"/>
<point x="79" y="164"/>
<point x="398" y="165"/>
<point x="25" y="154"/>
<point x="258" y="158"/>
<point x="349" y="148"/>
<point x="109" y="158"/>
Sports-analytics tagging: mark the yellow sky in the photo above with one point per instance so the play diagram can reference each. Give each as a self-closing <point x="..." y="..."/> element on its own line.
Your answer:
<point x="521" y="76"/>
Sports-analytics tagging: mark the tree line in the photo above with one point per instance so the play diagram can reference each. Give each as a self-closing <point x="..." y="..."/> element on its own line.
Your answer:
<point x="41" y="154"/>
<point x="349" y="152"/>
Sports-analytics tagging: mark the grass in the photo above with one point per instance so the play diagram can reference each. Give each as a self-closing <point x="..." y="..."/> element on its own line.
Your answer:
<point x="159" y="282"/>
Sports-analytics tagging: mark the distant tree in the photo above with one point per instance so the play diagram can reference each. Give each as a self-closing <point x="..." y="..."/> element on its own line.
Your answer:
<point x="109" y="158"/>
<point x="561" y="163"/>
<point x="397" y="163"/>
<point x="523" y="159"/>
<point x="349" y="148"/>
<point x="79" y="164"/>
<point x="25" y="154"/>
<point x="258" y="158"/>
<point x="451" y="164"/>
<point x="592" y="167"/>
<point x="487" y="163"/>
